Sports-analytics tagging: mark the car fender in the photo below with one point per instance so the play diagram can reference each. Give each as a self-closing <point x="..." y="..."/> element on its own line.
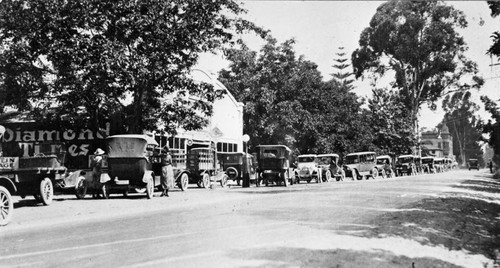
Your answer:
<point x="9" y="184"/>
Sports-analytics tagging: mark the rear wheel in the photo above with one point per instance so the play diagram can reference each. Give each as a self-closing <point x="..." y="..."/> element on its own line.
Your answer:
<point x="374" y="173"/>
<point x="6" y="206"/>
<point x="81" y="187"/>
<point x="46" y="191"/>
<point x="183" y="184"/>
<point x="354" y="175"/>
<point x="150" y="188"/>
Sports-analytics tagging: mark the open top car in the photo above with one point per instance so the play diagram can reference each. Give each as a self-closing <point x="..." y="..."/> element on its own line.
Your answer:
<point x="385" y="166"/>
<point x="329" y="164"/>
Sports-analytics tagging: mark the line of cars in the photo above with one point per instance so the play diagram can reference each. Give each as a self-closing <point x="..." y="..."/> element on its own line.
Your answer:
<point x="132" y="164"/>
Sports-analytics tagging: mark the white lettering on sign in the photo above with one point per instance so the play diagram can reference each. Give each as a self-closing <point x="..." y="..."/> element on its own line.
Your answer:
<point x="19" y="135"/>
<point x="74" y="150"/>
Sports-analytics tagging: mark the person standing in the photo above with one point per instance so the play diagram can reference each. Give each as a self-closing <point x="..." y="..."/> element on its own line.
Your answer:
<point x="167" y="173"/>
<point x="96" y="166"/>
<point x="490" y="164"/>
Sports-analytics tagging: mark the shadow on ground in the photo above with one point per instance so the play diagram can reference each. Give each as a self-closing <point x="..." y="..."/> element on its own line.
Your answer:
<point x="303" y="257"/>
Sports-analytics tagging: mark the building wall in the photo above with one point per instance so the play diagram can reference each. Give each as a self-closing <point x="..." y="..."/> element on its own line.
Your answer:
<point x="439" y="142"/>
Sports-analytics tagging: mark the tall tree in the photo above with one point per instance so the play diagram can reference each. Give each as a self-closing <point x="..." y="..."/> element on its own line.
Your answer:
<point x="492" y="127"/>
<point x="418" y="43"/>
<point x="342" y="73"/>
<point x="463" y="125"/>
<point x="80" y="62"/>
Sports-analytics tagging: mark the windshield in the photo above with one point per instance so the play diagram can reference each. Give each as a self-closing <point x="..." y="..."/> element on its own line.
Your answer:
<point x="406" y="159"/>
<point x="270" y="153"/>
<point x="382" y="161"/>
<point x="306" y="159"/>
<point x="427" y="160"/>
<point x="352" y="159"/>
<point x="234" y="158"/>
<point x="326" y="160"/>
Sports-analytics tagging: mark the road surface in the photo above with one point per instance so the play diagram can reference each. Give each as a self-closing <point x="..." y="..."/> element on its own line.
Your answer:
<point x="304" y="225"/>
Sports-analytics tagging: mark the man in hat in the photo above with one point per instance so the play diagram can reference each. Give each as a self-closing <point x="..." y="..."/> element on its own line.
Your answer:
<point x="167" y="172"/>
<point x="96" y="166"/>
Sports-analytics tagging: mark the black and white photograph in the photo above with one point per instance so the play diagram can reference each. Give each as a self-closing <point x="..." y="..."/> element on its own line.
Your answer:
<point x="249" y="133"/>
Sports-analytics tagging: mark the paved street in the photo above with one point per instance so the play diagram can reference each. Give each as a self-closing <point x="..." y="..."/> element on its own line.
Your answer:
<point x="305" y="225"/>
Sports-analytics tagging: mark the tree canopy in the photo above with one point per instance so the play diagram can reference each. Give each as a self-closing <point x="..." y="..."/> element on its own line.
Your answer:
<point x="82" y="62"/>
<point x="417" y="42"/>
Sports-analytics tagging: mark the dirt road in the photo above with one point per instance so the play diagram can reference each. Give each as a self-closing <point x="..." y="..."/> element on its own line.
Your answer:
<point x="443" y="220"/>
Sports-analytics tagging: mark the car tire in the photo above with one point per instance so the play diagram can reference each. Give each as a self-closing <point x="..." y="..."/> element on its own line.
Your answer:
<point x="184" y="181"/>
<point x="6" y="206"/>
<point x="46" y="191"/>
<point x="223" y="180"/>
<point x="354" y="175"/>
<point x="150" y="188"/>
<point x="81" y="187"/>
<point x="206" y="181"/>
<point x="328" y="176"/>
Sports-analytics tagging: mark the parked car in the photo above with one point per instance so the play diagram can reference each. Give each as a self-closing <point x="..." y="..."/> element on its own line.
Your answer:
<point x="130" y="165"/>
<point x="234" y="165"/>
<point x="473" y="164"/>
<point x="418" y="165"/>
<point x="385" y="166"/>
<point x="274" y="165"/>
<point x="308" y="168"/>
<point x="202" y="165"/>
<point x="406" y="165"/>
<point x="439" y="163"/>
<point x="428" y="165"/>
<point x="330" y="167"/>
<point x="361" y="165"/>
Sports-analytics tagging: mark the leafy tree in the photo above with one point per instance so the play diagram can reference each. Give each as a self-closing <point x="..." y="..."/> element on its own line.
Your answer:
<point x="82" y="62"/>
<point x="463" y="125"/>
<point x="495" y="11"/>
<point x="492" y="127"/>
<point x="391" y="123"/>
<point x="416" y="41"/>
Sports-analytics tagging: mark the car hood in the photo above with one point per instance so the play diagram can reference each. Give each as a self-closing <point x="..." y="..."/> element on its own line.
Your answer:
<point x="306" y="165"/>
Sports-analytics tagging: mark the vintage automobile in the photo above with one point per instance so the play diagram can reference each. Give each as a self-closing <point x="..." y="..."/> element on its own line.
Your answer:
<point x="418" y="165"/>
<point x="202" y="165"/>
<point x="329" y="164"/>
<point x="405" y="165"/>
<point x="308" y="169"/>
<point x="274" y="165"/>
<point x="473" y="164"/>
<point x="428" y="165"/>
<point x="361" y="165"/>
<point x="385" y="166"/>
<point x="130" y="164"/>
<point x="439" y="164"/>
<point x="234" y="165"/>
<point x="34" y="175"/>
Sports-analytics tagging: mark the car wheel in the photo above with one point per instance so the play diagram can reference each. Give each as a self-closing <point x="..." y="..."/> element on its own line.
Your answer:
<point x="184" y="180"/>
<point x="374" y="173"/>
<point x="81" y="187"/>
<point x="46" y="191"/>
<point x="223" y="180"/>
<point x="150" y="188"/>
<point x="328" y="176"/>
<point x="206" y="181"/>
<point x="354" y="175"/>
<point x="6" y="206"/>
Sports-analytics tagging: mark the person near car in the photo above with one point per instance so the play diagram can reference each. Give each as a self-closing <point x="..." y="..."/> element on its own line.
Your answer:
<point x="96" y="165"/>
<point x="167" y="172"/>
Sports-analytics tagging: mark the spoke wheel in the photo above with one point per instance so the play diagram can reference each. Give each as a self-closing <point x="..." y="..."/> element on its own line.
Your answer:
<point x="374" y="173"/>
<point x="328" y="176"/>
<point x="183" y="184"/>
<point x="223" y="181"/>
<point x="150" y="188"/>
<point x="81" y="187"/>
<point x="46" y="191"/>
<point x="205" y="181"/>
<point x="6" y="206"/>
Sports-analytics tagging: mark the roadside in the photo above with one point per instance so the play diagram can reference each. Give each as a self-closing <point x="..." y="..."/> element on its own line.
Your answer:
<point x="465" y="217"/>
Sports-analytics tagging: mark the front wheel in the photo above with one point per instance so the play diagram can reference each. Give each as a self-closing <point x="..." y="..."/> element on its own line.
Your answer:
<point x="183" y="184"/>
<point x="80" y="187"/>
<point x="150" y="188"/>
<point x="374" y="173"/>
<point x="205" y="181"/>
<point x="46" y="191"/>
<point x="328" y="176"/>
<point x="354" y="175"/>
<point x="6" y="206"/>
<point x="223" y="181"/>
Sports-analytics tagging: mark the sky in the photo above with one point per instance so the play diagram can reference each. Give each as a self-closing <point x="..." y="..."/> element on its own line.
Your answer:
<point x="321" y="27"/>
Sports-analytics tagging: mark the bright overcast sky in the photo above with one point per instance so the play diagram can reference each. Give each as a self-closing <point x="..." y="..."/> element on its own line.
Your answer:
<point x="320" y="27"/>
